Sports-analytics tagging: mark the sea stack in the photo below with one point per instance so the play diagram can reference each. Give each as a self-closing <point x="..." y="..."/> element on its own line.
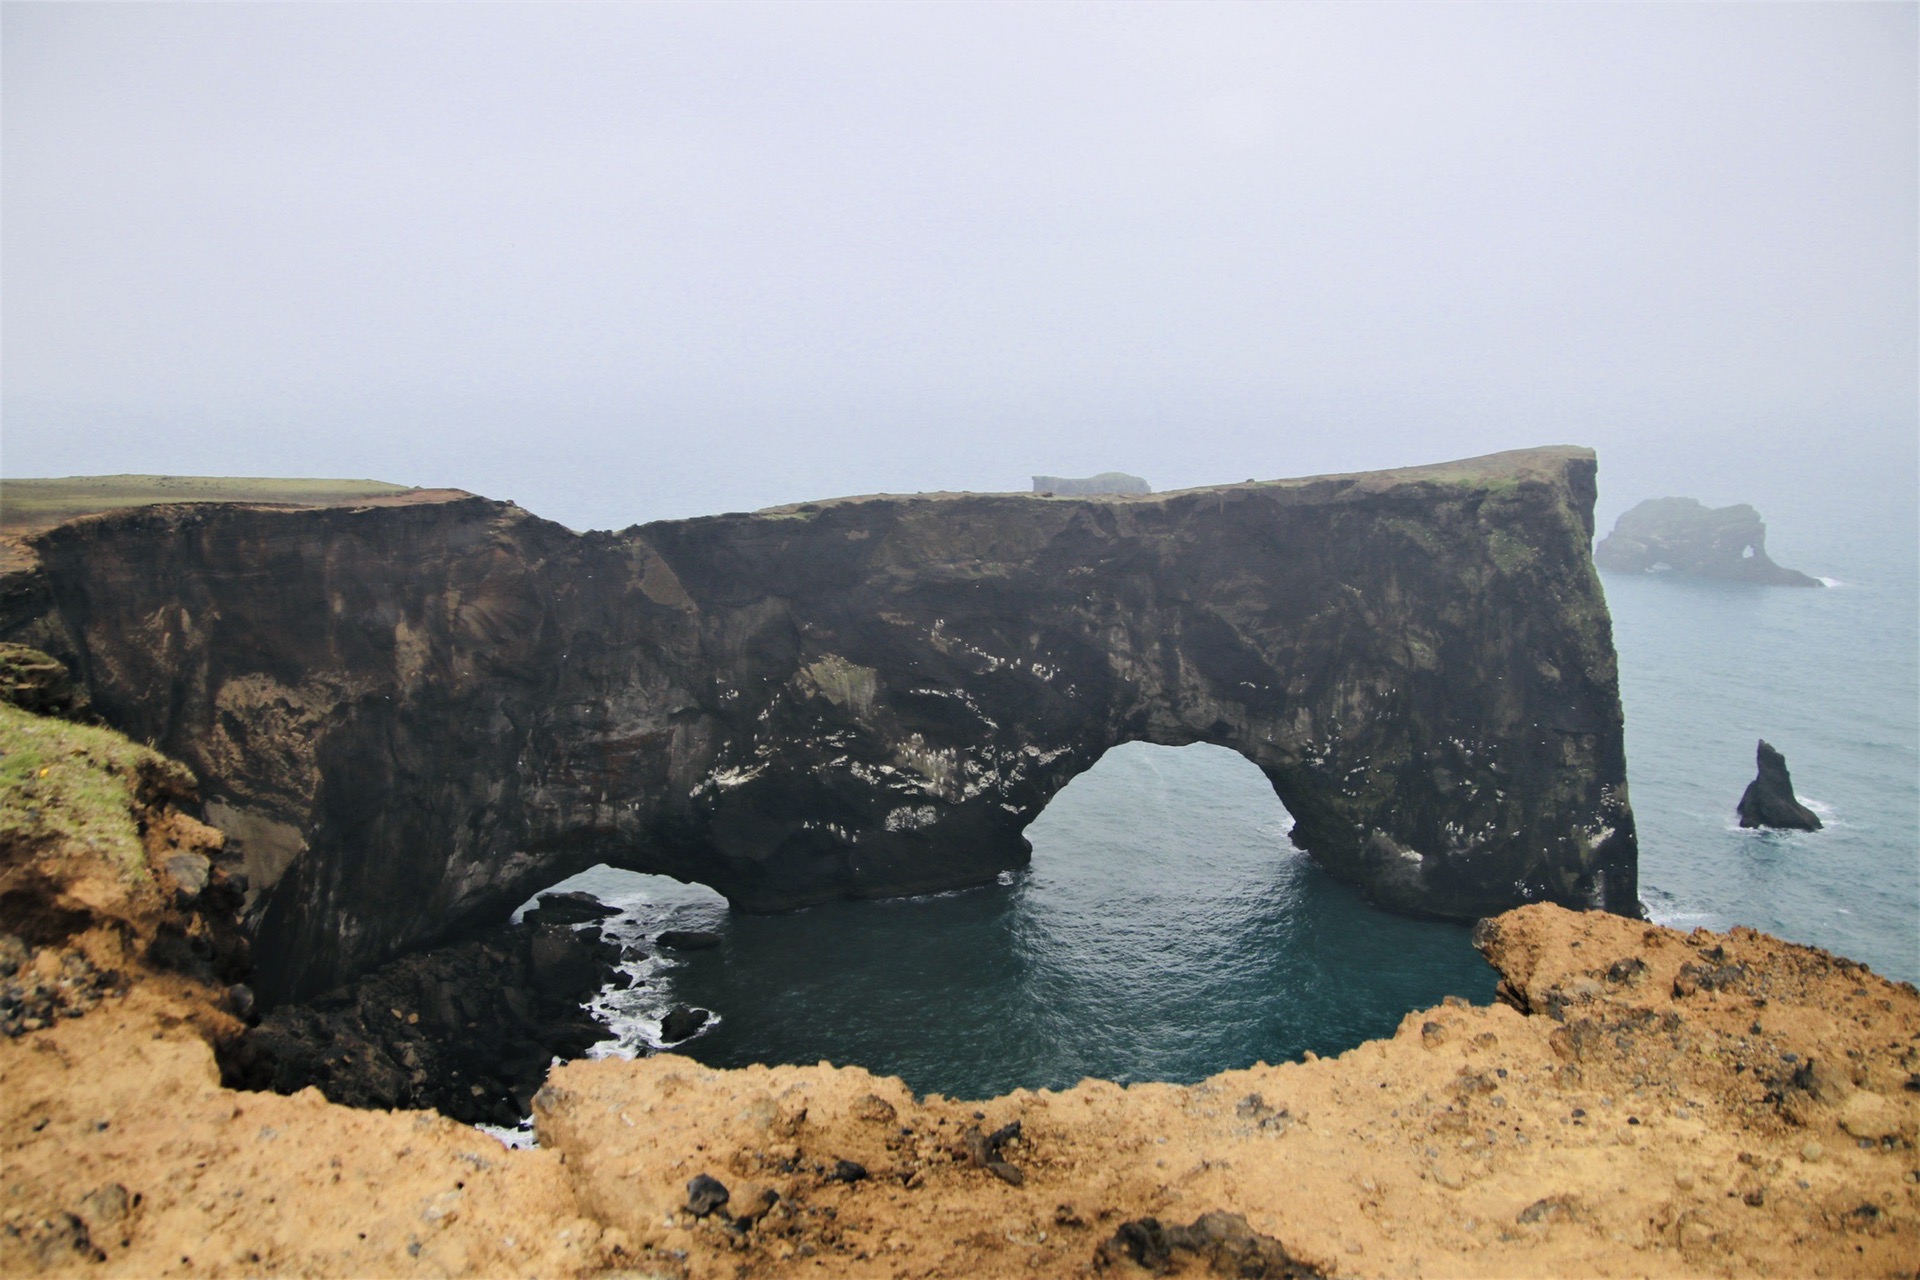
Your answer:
<point x="1769" y="800"/>
<point x="1683" y="537"/>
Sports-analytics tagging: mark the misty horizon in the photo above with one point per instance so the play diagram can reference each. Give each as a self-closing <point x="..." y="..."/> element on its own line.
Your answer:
<point x="623" y="263"/>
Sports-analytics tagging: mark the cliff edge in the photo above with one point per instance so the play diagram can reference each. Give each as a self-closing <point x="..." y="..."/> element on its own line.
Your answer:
<point x="1640" y="1100"/>
<point x="409" y="714"/>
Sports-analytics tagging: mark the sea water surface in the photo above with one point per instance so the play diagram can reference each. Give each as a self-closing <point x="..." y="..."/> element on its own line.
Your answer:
<point x="1167" y="929"/>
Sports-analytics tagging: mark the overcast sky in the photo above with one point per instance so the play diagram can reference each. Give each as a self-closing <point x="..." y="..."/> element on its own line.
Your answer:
<point x="623" y="262"/>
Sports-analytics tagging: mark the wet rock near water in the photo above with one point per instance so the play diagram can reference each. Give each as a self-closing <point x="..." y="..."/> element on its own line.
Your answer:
<point x="1769" y="800"/>
<point x="682" y="1023"/>
<point x="468" y="1029"/>
<point x="568" y="908"/>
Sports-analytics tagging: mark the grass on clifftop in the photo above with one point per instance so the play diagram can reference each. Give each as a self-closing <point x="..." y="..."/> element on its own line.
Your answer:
<point x="73" y="783"/>
<point x="40" y="504"/>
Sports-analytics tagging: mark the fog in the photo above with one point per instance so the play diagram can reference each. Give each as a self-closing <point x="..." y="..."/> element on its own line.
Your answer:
<point x="624" y="262"/>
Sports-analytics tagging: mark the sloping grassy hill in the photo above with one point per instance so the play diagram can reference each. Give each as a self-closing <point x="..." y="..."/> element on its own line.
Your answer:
<point x="27" y="506"/>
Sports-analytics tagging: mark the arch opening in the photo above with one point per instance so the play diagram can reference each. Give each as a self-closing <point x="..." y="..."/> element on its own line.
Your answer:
<point x="1165" y="929"/>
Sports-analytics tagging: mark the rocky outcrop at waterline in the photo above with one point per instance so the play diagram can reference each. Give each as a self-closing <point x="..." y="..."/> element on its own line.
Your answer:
<point x="1769" y="800"/>
<point x="410" y="712"/>
<point x="467" y="1029"/>
<point x="1682" y="536"/>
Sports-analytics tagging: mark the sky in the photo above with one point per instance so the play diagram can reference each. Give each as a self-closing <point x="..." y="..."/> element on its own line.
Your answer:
<point x="624" y="262"/>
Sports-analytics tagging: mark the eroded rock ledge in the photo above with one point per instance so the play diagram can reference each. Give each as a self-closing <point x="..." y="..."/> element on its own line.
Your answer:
<point x="407" y="717"/>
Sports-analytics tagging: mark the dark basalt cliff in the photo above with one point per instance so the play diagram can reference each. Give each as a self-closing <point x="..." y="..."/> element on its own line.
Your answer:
<point x="1682" y="536"/>
<point x="407" y="717"/>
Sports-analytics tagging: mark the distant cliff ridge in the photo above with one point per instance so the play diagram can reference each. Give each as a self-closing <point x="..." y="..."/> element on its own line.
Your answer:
<point x="407" y="717"/>
<point x="1682" y="536"/>
<point x="1105" y="482"/>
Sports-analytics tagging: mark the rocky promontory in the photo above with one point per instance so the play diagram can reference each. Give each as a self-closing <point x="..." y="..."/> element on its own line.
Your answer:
<point x="1682" y="536"/>
<point x="410" y="711"/>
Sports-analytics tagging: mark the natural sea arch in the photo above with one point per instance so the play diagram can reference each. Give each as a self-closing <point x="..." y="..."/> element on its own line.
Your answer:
<point x="405" y="718"/>
<point x="1166" y="929"/>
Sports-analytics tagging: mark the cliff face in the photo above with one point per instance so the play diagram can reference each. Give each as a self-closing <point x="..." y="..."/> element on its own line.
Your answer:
<point x="405" y="717"/>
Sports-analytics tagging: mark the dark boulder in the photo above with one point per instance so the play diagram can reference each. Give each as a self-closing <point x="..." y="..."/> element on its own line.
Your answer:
<point x="561" y="960"/>
<point x="705" y="1194"/>
<point x="682" y="1024"/>
<point x="689" y="940"/>
<point x="568" y="908"/>
<point x="1221" y="1243"/>
<point x="1769" y="800"/>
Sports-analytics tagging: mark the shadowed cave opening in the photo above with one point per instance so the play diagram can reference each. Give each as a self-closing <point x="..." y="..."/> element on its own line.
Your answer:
<point x="1167" y="929"/>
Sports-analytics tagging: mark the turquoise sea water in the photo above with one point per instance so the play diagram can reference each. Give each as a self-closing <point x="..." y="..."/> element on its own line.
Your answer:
<point x="1168" y="930"/>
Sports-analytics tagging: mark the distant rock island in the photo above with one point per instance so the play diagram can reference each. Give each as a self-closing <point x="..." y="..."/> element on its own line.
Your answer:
<point x="1683" y="536"/>
<point x="1769" y="800"/>
<point x="1105" y="482"/>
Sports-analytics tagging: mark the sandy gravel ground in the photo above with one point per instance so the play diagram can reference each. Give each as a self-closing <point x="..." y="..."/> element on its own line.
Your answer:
<point x="1671" y="1104"/>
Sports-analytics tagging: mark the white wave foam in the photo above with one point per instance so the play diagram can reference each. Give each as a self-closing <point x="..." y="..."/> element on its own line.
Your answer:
<point x="1829" y="582"/>
<point x="518" y="1138"/>
<point x="1821" y="810"/>
<point x="1684" y="921"/>
<point x="634" y="1006"/>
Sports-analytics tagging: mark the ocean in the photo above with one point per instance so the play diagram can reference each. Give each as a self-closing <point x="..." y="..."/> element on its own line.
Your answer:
<point x="1168" y="930"/>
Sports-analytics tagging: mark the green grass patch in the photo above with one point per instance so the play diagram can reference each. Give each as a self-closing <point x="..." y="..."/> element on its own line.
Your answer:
<point x="41" y="503"/>
<point x="1511" y="553"/>
<point x="74" y="783"/>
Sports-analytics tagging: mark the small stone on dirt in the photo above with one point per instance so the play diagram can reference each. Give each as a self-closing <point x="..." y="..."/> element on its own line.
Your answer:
<point x="704" y="1195"/>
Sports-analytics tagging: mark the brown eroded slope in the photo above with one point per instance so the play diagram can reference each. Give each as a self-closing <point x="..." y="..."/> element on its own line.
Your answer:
<point x="1643" y="1102"/>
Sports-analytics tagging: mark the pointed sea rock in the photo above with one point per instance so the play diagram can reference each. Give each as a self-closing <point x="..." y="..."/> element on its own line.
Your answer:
<point x="1769" y="800"/>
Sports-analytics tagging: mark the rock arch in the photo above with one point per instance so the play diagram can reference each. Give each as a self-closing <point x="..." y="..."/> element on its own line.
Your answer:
<point x="407" y="717"/>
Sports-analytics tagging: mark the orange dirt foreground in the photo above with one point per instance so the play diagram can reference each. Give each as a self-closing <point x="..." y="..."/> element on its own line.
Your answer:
<point x="1672" y="1104"/>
